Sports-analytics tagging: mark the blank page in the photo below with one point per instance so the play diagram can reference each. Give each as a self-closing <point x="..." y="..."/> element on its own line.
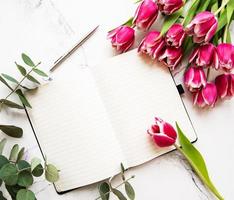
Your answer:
<point x="73" y="129"/>
<point x="134" y="90"/>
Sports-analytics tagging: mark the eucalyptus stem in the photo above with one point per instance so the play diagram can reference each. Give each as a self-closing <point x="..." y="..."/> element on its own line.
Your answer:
<point x="221" y="7"/>
<point x="116" y="187"/>
<point x="19" y="84"/>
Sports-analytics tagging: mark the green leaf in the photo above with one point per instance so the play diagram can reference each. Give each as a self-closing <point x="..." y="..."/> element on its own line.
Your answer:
<point x="222" y="21"/>
<point x="35" y="162"/>
<point x="228" y="39"/>
<point x="31" y="78"/>
<point x="215" y="7"/>
<point x="170" y="20"/>
<point x="129" y="22"/>
<point x="3" y="161"/>
<point x="38" y="170"/>
<point x="119" y="194"/>
<point x="5" y="83"/>
<point x="40" y="72"/>
<point x="12" y="190"/>
<point x="22" y="98"/>
<point x="11" y="104"/>
<point x="2" y="145"/>
<point x="25" y="194"/>
<point x="20" y="154"/>
<point x="104" y="191"/>
<point x="12" y="131"/>
<point x="9" y="174"/>
<point x="10" y="78"/>
<point x="21" y="69"/>
<point x="27" y="60"/>
<point x="51" y="173"/>
<point x="14" y="153"/>
<point x="25" y="179"/>
<point x="196" y="160"/>
<point x="230" y="10"/>
<point x="203" y="6"/>
<point x="191" y="12"/>
<point x="24" y="165"/>
<point x="129" y="191"/>
<point x="1" y="196"/>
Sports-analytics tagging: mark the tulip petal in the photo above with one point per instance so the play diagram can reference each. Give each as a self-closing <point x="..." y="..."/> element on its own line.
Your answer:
<point x="209" y="94"/>
<point x="221" y="83"/>
<point x="163" y="140"/>
<point x="211" y="32"/>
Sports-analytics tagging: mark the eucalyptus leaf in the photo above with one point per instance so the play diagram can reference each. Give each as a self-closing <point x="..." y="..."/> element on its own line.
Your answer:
<point x="31" y="78"/>
<point x="27" y="60"/>
<point x="191" y="12"/>
<point x="5" y="83"/>
<point x="40" y="72"/>
<point x="129" y="190"/>
<point x="20" y="154"/>
<point x="170" y="20"/>
<point x="24" y="165"/>
<point x="51" y="173"/>
<point x="104" y="191"/>
<point x="2" y="145"/>
<point x="25" y="194"/>
<point x="196" y="160"/>
<point x="12" y="131"/>
<point x="38" y="170"/>
<point x="25" y="179"/>
<point x="22" y="98"/>
<point x="119" y="194"/>
<point x="9" y="78"/>
<point x="3" y="161"/>
<point x="21" y="69"/>
<point x="12" y="190"/>
<point x="14" y="153"/>
<point x="9" y="174"/>
<point x="11" y="104"/>
<point x="35" y="162"/>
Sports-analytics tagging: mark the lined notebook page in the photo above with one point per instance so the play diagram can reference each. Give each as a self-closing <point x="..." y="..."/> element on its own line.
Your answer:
<point x="73" y="129"/>
<point x="135" y="90"/>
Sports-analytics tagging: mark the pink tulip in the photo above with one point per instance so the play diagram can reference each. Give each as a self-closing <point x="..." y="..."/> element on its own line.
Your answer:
<point x="205" y="56"/>
<point x="202" y="27"/>
<point x="207" y="96"/>
<point x="163" y="133"/>
<point x="226" y="56"/>
<point x="169" y="6"/>
<point x="171" y="57"/>
<point x="175" y="35"/>
<point x="152" y="44"/>
<point x="194" y="78"/>
<point x="122" y="38"/>
<point x="146" y="14"/>
<point x="225" y="85"/>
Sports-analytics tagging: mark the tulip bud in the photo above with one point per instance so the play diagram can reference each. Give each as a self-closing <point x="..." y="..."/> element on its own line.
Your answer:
<point x="163" y="133"/>
<point x="171" y="57"/>
<point x="194" y="78"/>
<point x="146" y="14"/>
<point x="225" y="85"/>
<point x="169" y="6"/>
<point x="152" y="44"/>
<point x="122" y="38"/>
<point x="175" y="35"/>
<point x="202" y="27"/>
<point x="207" y="96"/>
<point x="226" y="56"/>
<point x="205" y="56"/>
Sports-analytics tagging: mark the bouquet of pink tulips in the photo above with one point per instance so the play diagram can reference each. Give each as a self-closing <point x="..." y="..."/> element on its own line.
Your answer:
<point x="203" y="33"/>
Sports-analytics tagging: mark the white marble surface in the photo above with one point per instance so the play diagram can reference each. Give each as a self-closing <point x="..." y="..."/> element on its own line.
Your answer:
<point x="45" y="29"/>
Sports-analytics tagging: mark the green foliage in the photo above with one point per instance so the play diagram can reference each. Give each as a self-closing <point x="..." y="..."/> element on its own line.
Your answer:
<point x="196" y="160"/>
<point x="12" y="131"/>
<point x="18" y="175"/>
<point x="105" y="188"/>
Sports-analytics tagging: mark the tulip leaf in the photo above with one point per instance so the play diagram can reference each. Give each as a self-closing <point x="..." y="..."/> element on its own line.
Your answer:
<point x="191" y="12"/>
<point x="11" y="104"/>
<point x="228" y="39"/>
<point x="222" y="21"/>
<point x="196" y="160"/>
<point x="169" y="21"/>
<point x="104" y="190"/>
<point x="27" y="60"/>
<point x="203" y="6"/>
<point x="230" y="10"/>
<point x="12" y="131"/>
<point x="129" y="22"/>
<point x="22" y="98"/>
<point x="129" y="190"/>
<point x="118" y="194"/>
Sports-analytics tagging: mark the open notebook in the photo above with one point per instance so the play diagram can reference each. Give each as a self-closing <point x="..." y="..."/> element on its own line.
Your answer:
<point x="89" y="120"/>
